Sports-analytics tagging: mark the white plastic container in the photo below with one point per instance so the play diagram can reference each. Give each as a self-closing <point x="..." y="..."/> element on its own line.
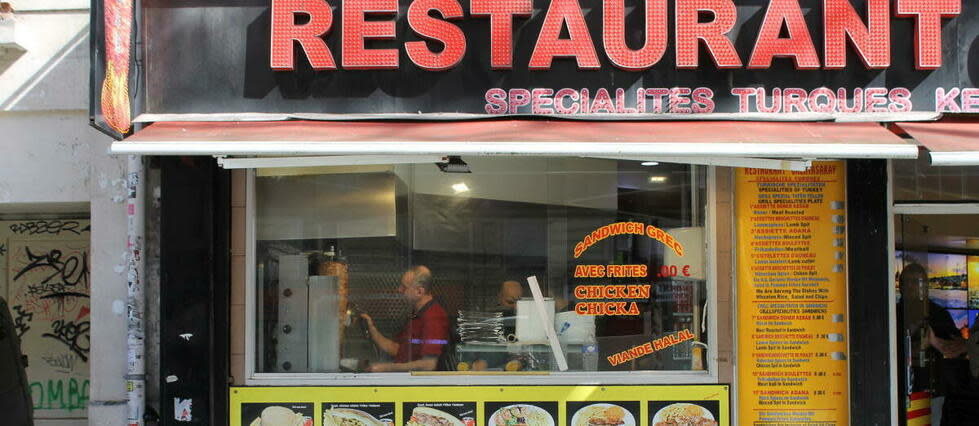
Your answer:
<point x="572" y="328"/>
<point x="529" y="327"/>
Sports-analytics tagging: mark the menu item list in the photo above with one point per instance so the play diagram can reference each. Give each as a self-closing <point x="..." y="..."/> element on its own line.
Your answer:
<point x="792" y="296"/>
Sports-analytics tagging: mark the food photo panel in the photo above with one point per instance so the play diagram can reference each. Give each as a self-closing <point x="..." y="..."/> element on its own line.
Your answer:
<point x="358" y="413"/>
<point x="610" y="413"/>
<point x="684" y="413"/>
<point x="277" y="414"/>
<point x="521" y="413"/>
<point x="439" y="413"/>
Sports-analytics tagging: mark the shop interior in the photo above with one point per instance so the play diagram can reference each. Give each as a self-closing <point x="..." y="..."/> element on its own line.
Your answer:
<point x="332" y="237"/>
<point x="937" y="280"/>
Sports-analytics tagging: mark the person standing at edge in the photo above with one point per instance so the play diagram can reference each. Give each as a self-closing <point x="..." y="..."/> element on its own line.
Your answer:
<point x="420" y="343"/>
<point x="16" y="405"/>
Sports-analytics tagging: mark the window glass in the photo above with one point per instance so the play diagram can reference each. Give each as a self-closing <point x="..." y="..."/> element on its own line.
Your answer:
<point x="918" y="181"/>
<point x="427" y="267"/>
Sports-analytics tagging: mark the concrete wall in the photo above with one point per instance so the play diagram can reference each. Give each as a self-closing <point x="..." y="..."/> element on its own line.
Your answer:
<point x="239" y="190"/>
<point x="724" y="262"/>
<point x="54" y="163"/>
<point x="41" y="153"/>
<point x="107" y="404"/>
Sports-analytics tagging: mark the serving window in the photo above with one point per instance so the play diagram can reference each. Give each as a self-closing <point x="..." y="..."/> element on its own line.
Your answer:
<point x="480" y="265"/>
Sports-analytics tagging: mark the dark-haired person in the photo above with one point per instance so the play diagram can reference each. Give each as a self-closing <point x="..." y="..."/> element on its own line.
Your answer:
<point x="950" y="361"/>
<point x="955" y="379"/>
<point x="420" y="343"/>
<point x="15" y="399"/>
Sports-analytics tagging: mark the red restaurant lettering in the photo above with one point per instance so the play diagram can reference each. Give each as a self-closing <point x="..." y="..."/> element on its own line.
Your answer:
<point x="697" y="23"/>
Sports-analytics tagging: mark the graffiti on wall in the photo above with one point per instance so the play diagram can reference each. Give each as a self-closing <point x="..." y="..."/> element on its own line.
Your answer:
<point x="60" y="394"/>
<point x="48" y="227"/>
<point x="48" y="287"/>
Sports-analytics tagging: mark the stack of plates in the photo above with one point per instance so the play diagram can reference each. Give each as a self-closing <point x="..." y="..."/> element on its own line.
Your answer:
<point x="486" y="327"/>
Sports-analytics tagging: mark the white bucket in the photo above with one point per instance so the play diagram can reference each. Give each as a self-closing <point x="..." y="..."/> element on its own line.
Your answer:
<point x="574" y="328"/>
<point x="529" y="327"/>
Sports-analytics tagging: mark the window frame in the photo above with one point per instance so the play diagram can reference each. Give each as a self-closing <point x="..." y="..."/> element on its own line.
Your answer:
<point x="708" y="376"/>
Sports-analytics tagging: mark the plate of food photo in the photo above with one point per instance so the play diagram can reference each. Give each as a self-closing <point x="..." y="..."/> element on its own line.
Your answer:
<point x="426" y="416"/>
<point x="281" y="416"/>
<point x="521" y="415"/>
<point x="349" y="417"/>
<point x="603" y="415"/>
<point x="684" y="414"/>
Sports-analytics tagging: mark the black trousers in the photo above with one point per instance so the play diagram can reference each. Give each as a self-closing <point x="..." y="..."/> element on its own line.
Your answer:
<point x="961" y="392"/>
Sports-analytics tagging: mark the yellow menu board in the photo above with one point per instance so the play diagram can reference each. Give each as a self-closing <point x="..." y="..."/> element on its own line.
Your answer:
<point x="792" y="298"/>
<point x="501" y="405"/>
<point x="973" y="278"/>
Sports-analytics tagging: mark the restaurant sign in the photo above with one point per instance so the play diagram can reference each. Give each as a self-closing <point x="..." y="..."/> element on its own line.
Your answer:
<point x="841" y="23"/>
<point x="614" y="58"/>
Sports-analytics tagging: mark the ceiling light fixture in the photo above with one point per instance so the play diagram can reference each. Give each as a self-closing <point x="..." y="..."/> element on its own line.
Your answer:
<point x="657" y="179"/>
<point x="460" y="187"/>
<point x="454" y="165"/>
<point x="650" y="163"/>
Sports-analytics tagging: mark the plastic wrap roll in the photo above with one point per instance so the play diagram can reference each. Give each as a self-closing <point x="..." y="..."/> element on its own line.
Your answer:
<point x="339" y="270"/>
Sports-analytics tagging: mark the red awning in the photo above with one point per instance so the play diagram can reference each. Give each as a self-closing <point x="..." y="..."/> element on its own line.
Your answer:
<point x="951" y="143"/>
<point x="521" y="137"/>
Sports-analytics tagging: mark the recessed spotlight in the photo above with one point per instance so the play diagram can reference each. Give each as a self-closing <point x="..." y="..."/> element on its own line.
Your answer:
<point x="460" y="187"/>
<point x="650" y="163"/>
<point x="454" y="164"/>
<point x="657" y="179"/>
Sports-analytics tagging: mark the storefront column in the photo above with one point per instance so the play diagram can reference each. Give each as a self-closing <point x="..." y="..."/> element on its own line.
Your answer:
<point x="107" y="359"/>
<point x="194" y="258"/>
<point x="867" y="242"/>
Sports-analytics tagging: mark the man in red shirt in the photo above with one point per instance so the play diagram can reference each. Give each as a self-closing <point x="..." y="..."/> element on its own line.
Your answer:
<point x="418" y="346"/>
